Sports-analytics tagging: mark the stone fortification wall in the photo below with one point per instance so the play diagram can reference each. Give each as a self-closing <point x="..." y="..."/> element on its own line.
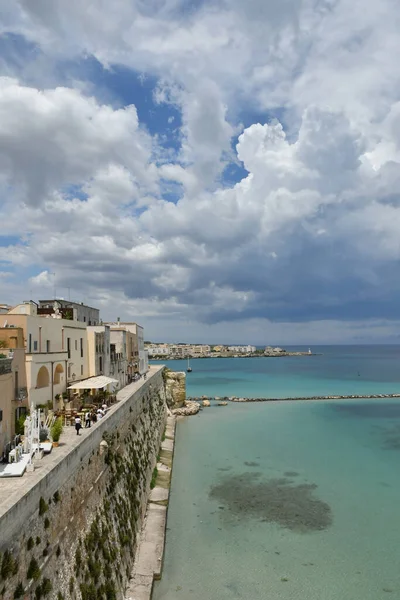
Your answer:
<point x="175" y="388"/>
<point x="72" y="536"/>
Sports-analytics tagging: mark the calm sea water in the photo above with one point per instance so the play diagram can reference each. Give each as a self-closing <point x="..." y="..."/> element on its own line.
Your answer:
<point x="341" y="370"/>
<point x="288" y="501"/>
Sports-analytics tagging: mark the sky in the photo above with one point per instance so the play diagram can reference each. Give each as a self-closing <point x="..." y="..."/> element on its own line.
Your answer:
<point x="218" y="171"/>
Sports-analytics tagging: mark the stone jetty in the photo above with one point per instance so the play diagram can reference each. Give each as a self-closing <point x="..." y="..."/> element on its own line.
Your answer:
<point x="226" y="399"/>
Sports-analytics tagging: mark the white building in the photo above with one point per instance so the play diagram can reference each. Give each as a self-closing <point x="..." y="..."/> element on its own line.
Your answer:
<point x="159" y="350"/>
<point x="199" y="350"/>
<point x="179" y="350"/>
<point x="242" y="349"/>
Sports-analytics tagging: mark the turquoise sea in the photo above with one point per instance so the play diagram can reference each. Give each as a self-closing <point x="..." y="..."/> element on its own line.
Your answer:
<point x="286" y="500"/>
<point x="334" y="370"/>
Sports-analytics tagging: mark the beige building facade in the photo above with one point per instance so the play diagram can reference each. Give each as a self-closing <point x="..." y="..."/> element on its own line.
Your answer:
<point x="55" y="352"/>
<point x="137" y="356"/>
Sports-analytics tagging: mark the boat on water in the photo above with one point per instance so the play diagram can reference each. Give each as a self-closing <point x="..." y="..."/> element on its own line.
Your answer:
<point x="189" y="368"/>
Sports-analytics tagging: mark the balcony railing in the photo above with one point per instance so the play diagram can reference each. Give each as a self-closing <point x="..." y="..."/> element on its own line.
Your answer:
<point x="21" y="394"/>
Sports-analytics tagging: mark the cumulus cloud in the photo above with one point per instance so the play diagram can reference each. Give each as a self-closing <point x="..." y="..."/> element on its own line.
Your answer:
<point x="310" y="234"/>
<point x="54" y="138"/>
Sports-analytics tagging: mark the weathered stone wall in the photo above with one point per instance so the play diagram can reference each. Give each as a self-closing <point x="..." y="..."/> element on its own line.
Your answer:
<point x="175" y="388"/>
<point x="73" y="535"/>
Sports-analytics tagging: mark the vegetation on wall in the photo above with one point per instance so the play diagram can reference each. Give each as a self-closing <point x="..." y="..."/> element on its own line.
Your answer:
<point x="43" y="506"/>
<point x="97" y="564"/>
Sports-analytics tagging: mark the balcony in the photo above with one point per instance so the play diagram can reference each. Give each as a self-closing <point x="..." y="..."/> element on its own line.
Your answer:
<point x="21" y="394"/>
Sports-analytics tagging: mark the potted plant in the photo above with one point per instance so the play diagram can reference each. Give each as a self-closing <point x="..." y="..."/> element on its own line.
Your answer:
<point x="56" y="431"/>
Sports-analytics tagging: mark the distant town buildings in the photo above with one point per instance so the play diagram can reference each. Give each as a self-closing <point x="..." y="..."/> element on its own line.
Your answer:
<point x="242" y="349"/>
<point x="269" y="350"/>
<point x="171" y="351"/>
<point x="48" y="347"/>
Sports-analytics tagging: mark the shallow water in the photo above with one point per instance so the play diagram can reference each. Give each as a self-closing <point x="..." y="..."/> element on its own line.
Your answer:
<point x="286" y="501"/>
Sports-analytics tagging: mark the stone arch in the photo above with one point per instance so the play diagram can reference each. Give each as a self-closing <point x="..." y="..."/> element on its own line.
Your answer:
<point x="43" y="378"/>
<point x="57" y="373"/>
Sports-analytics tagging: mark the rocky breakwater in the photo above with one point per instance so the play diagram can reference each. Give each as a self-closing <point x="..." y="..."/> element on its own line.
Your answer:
<point x="333" y="397"/>
<point x="190" y="408"/>
<point x="205" y="401"/>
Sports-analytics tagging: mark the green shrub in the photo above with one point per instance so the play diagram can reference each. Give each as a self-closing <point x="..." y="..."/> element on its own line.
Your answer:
<point x="56" y="430"/>
<point x="46" y="586"/>
<point x="33" y="570"/>
<point x="38" y="541"/>
<point x="56" y="497"/>
<point x="78" y="560"/>
<point x="19" y="425"/>
<point x="30" y="543"/>
<point x="19" y="591"/>
<point x="88" y="591"/>
<point x="43" y="507"/>
<point x="154" y="478"/>
<point x="46" y="523"/>
<point x="7" y="565"/>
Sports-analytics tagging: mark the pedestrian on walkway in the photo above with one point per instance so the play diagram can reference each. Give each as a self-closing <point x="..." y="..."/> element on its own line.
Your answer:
<point x="88" y="419"/>
<point x="78" y="424"/>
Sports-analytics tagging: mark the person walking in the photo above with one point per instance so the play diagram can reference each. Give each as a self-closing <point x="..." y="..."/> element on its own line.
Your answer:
<point x="78" y="424"/>
<point x="88" y="419"/>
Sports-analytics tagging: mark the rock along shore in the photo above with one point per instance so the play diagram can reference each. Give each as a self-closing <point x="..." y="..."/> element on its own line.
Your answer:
<point x="333" y="397"/>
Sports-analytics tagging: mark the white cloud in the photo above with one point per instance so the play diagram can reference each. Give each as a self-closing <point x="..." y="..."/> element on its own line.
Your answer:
<point x="43" y="279"/>
<point x="311" y="233"/>
<point x="55" y="138"/>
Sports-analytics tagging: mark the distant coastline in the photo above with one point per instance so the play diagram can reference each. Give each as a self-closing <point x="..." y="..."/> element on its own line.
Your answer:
<point x="255" y="355"/>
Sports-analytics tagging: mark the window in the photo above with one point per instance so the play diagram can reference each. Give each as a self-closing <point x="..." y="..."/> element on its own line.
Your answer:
<point x="81" y="369"/>
<point x="101" y="364"/>
<point x="84" y="320"/>
<point x="76" y="344"/>
<point x="69" y="351"/>
<point x="47" y="345"/>
<point x="30" y="343"/>
<point x="35" y="346"/>
<point x="69" y="371"/>
<point x="81" y="347"/>
<point x="16" y="384"/>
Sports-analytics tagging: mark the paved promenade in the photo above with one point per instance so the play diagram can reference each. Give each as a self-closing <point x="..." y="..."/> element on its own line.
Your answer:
<point x="150" y="552"/>
<point x="14" y="488"/>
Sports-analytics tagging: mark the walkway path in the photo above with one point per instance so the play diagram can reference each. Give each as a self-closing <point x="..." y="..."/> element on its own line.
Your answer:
<point x="149" y="555"/>
<point x="14" y="488"/>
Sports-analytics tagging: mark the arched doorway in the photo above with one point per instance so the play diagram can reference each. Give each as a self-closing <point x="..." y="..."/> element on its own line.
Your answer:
<point x="43" y="378"/>
<point x="57" y="373"/>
